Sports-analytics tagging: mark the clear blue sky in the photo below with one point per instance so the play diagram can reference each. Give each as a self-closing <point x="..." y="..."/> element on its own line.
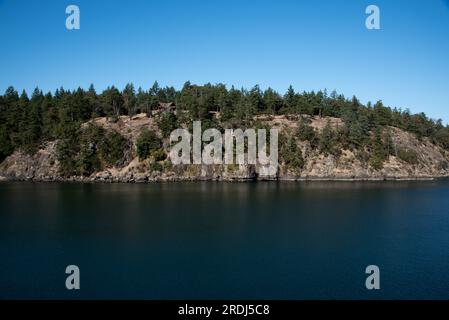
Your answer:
<point x="309" y="44"/>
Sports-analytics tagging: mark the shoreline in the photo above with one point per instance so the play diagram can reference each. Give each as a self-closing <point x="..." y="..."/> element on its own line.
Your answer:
<point x="88" y="180"/>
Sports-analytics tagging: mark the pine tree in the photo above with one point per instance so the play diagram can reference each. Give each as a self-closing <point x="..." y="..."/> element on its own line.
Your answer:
<point x="290" y="99"/>
<point x="272" y="101"/>
<point x="306" y="132"/>
<point x="328" y="140"/>
<point x="129" y="99"/>
<point x="255" y="101"/>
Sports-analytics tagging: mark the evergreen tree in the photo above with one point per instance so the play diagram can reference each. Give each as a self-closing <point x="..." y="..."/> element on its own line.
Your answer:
<point x="129" y="99"/>
<point x="112" y="102"/>
<point x="255" y="101"/>
<point x="25" y="123"/>
<point x="379" y="150"/>
<point x="94" y="103"/>
<point x="147" y="143"/>
<point x="382" y="115"/>
<point x="290" y="100"/>
<point x="306" y="132"/>
<point x="273" y="101"/>
<point x="328" y="141"/>
<point x="167" y="123"/>
<point x="142" y="101"/>
<point x="291" y="153"/>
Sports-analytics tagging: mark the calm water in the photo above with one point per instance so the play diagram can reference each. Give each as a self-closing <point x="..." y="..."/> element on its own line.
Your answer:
<point x="222" y="240"/>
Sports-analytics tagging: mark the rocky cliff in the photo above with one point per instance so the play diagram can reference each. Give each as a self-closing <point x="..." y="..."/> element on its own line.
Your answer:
<point x="432" y="161"/>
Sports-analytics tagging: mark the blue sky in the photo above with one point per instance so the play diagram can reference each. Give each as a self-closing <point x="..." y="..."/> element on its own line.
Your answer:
<point x="310" y="44"/>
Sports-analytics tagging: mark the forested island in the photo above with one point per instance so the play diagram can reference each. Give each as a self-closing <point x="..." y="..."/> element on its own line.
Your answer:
<point x="123" y="135"/>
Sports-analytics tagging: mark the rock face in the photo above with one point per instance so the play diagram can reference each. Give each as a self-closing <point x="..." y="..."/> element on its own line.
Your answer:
<point x="432" y="162"/>
<point x="42" y="166"/>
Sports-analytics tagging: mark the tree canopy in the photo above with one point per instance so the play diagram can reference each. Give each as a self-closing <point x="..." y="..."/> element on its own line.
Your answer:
<point x="28" y="121"/>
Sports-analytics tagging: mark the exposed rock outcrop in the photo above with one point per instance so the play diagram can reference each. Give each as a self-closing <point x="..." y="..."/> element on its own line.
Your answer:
<point x="432" y="161"/>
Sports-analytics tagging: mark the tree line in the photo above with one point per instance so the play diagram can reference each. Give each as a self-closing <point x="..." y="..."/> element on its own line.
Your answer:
<point x="26" y="121"/>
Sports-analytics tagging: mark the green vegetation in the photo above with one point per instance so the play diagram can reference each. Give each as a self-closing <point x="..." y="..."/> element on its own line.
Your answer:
<point x="328" y="141"/>
<point x="112" y="147"/>
<point x="291" y="153"/>
<point x="156" y="166"/>
<point x="89" y="149"/>
<point x="307" y="133"/>
<point x="167" y="123"/>
<point x="147" y="143"/>
<point x="408" y="155"/>
<point x="381" y="148"/>
<point x="28" y="122"/>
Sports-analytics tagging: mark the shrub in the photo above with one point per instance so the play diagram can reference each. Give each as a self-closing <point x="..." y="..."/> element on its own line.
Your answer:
<point x="156" y="166"/>
<point x="381" y="147"/>
<point x="87" y="160"/>
<point x="291" y="154"/>
<point x="328" y="141"/>
<point x="82" y="152"/>
<point x="112" y="147"/>
<point x="442" y="137"/>
<point x="407" y="155"/>
<point x="68" y="148"/>
<point x="307" y="133"/>
<point x="6" y="147"/>
<point x="167" y="123"/>
<point x="66" y="152"/>
<point x="377" y="161"/>
<point x="159" y="155"/>
<point x="146" y="143"/>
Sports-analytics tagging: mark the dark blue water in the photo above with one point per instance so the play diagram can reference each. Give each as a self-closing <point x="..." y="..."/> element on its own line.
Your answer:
<point x="222" y="240"/>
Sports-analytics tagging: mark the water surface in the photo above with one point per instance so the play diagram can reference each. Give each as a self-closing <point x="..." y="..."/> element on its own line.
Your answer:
<point x="288" y="240"/>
